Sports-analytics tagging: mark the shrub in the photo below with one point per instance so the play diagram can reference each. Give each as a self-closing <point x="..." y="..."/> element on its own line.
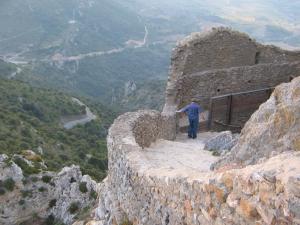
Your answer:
<point x="46" y="179"/>
<point x="84" y="213"/>
<point x="24" y="181"/>
<point x="29" y="155"/>
<point x="82" y="187"/>
<point x="52" y="203"/>
<point x="9" y="184"/>
<point x="34" y="179"/>
<point x="74" y="207"/>
<point x="27" y="169"/>
<point x="26" y="193"/>
<point x="216" y="153"/>
<point x="2" y="191"/>
<point x="42" y="189"/>
<point x="8" y="162"/>
<point x="93" y="194"/>
<point x="127" y="222"/>
<point x="22" y="202"/>
<point x="50" y="220"/>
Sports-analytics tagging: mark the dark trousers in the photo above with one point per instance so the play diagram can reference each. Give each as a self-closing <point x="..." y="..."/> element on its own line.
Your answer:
<point x="193" y="128"/>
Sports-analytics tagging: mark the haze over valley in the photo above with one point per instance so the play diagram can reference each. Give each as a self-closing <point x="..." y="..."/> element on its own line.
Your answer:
<point x="117" y="52"/>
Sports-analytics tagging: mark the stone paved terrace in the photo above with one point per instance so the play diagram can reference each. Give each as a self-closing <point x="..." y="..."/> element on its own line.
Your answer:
<point x="180" y="158"/>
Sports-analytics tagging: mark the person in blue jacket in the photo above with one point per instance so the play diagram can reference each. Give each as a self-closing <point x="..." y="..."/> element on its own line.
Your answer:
<point x="193" y="111"/>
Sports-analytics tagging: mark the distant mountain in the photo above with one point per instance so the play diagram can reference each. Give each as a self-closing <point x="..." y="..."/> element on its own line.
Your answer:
<point x="32" y="119"/>
<point x="95" y="48"/>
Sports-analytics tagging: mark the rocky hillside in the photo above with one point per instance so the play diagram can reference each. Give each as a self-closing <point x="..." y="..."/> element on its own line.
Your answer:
<point x="43" y="198"/>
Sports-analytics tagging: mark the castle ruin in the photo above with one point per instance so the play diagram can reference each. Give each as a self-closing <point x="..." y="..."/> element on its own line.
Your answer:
<point x="223" y="62"/>
<point x="155" y="178"/>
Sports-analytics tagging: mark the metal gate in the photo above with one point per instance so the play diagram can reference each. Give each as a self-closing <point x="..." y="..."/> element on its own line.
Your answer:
<point x="232" y="111"/>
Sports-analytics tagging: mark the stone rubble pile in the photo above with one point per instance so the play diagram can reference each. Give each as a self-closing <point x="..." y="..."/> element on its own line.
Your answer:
<point x="222" y="142"/>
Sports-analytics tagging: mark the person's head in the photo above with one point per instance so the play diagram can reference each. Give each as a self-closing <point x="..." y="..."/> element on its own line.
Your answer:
<point x="194" y="99"/>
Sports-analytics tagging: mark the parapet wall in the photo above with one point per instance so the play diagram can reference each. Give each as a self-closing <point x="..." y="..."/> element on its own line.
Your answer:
<point x="202" y="55"/>
<point x="259" y="194"/>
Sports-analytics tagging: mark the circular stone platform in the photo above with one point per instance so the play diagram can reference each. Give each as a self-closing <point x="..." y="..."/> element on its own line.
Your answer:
<point x="180" y="158"/>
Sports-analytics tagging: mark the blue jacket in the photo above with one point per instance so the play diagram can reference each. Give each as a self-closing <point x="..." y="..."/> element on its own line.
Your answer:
<point x="193" y="110"/>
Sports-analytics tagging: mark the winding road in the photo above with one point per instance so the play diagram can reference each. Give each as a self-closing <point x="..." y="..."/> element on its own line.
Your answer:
<point x="133" y="44"/>
<point x="81" y="119"/>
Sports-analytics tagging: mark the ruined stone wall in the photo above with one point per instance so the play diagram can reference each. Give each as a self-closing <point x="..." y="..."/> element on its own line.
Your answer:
<point x="224" y="48"/>
<point x="259" y="194"/>
<point x="207" y="84"/>
<point x="203" y="54"/>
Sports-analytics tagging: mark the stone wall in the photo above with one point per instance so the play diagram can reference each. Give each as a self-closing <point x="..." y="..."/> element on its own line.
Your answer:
<point x="260" y="194"/>
<point x="207" y="84"/>
<point x="147" y="128"/>
<point x="221" y="53"/>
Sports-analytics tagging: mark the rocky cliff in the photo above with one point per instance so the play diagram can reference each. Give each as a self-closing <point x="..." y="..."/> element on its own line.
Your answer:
<point x="46" y="196"/>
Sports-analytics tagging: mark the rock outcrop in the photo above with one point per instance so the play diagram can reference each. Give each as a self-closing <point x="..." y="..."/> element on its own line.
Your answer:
<point x="271" y="130"/>
<point x="222" y="142"/>
<point x="57" y="196"/>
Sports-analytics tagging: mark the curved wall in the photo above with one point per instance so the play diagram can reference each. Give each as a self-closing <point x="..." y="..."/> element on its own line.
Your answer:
<point x="257" y="194"/>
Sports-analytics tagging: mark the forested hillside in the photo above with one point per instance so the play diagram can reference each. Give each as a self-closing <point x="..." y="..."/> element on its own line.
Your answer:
<point x="30" y="119"/>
